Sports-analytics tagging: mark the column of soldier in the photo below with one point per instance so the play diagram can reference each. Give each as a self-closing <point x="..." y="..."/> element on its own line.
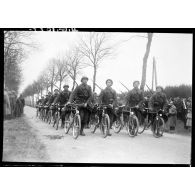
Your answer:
<point x="13" y="105"/>
<point x="135" y="98"/>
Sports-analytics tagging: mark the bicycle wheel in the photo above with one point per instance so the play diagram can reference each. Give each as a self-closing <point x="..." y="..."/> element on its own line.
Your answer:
<point x="49" y="116"/>
<point x="68" y="124"/>
<point x="158" y="127"/>
<point x="45" y="117"/>
<point x="40" y="114"/>
<point x="57" y="120"/>
<point x="76" y="126"/>
<point x="118" y="125"/>
<point x="96" y="123"/>
<point x="37" y="113"/>
<point x="54" y="118"/>
<point x="133" y="126"/>
<point x="146" y="125"/>
<point x="105" y="125"/>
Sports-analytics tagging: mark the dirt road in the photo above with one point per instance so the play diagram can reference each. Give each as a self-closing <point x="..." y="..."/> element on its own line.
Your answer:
<point x="119" y="148"/>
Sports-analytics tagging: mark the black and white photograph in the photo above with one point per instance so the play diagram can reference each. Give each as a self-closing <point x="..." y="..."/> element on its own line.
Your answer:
<point x="97" y="96"/>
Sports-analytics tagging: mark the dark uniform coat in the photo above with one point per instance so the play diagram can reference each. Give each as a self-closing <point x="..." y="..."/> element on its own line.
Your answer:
<point x="52" y="98"/>
<point x="62" y="98"/>
<point x="108" y="96"/>
<point x="82" y="94"/>
<point x="158" y="101"/>
<point x="134" y="97"/>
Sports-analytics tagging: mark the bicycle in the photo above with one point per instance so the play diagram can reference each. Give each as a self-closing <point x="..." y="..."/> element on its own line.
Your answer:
<point x="51" y="114"/>
<point x="45" y="113"/>
<point x="37" y="111"/>
<point x="127" y="119"/>
<point x="73" y="121"/>
<point x="94" y="119"/>
<point x="156" y="122"/>
<point x="102" y="120"/>
<point x="56" y="116"/>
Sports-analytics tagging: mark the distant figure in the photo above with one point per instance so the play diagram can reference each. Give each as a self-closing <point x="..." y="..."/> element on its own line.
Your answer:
<point x="12" y="97"/>
<point x="7" y="107"/>
<point x="172" y="116"/>
<point x="22" y="101"/>
<point x="189" y="114"/>
<point x="18" y="108"/>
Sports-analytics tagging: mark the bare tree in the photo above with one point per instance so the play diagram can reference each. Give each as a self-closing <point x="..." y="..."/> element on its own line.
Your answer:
<point x="95" y="48"/>
<point x="144" y="67"/>
<point x="74" y="64"/>
<point x="52" y="73"/>
<point x="62" y="73"/>
<point x="16" y="44"/>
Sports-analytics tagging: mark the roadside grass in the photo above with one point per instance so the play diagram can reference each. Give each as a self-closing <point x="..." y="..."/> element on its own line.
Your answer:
<point x="20" y="144"/>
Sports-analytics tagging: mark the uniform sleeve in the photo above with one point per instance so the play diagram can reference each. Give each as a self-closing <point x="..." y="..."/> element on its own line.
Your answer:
<point x="127" y="98"/>
<point x="165" y="102"/>
<point x="56" y="100"/>
<point x="141" y="99"/>
<point x="50" y="100"/>
<point x="100" y="97"/>
<point x="151" y="102"/>
<point x="90" y="95"/>
<point x="115" y="99"/>
<point x="72" y="95"/>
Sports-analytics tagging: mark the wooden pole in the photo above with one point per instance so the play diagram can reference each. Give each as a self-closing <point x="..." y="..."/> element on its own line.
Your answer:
<point x="153" y="75"/>
<point x="155" y="72"/>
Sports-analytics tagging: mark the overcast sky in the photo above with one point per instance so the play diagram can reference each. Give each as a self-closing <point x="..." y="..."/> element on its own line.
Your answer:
<point x="173" y="53"/>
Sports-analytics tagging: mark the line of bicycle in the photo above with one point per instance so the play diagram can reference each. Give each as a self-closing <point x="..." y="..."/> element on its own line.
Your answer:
<point x="126" y="119"/>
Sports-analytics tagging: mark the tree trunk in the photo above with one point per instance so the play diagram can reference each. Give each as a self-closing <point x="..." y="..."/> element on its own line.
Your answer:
<point x="144" y="67"/>
<point x="74" y="80"/>
<point x="94" y="78"/>
<point x="52" y="88"/>
<point x="60" y="83"/>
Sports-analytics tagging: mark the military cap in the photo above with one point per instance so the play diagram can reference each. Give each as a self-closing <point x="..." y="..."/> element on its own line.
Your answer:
<point x="135" y="82"/>
<point x="66" y="86"/>
<point x="159" y="87"/>
<point x="84" y="77"/>
<point x="56" y="90"/>
<point x="109" y="80"/>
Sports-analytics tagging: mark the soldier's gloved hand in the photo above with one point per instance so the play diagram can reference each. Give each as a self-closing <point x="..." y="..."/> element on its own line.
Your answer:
<point x="137" y="106"/>
<point x="85" y="105"/>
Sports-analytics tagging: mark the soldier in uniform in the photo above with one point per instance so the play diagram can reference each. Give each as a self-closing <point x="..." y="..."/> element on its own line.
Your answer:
<point x="158" y="101"/>
<point x="108" y="97"/>
<point x="46" y="101"/>
<point x="62" y="99"/>
<point x="134" y="98"/>
<point x="82" y="95"/>
<point x="52" y="99"/>
<point x="40" y="101"/>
